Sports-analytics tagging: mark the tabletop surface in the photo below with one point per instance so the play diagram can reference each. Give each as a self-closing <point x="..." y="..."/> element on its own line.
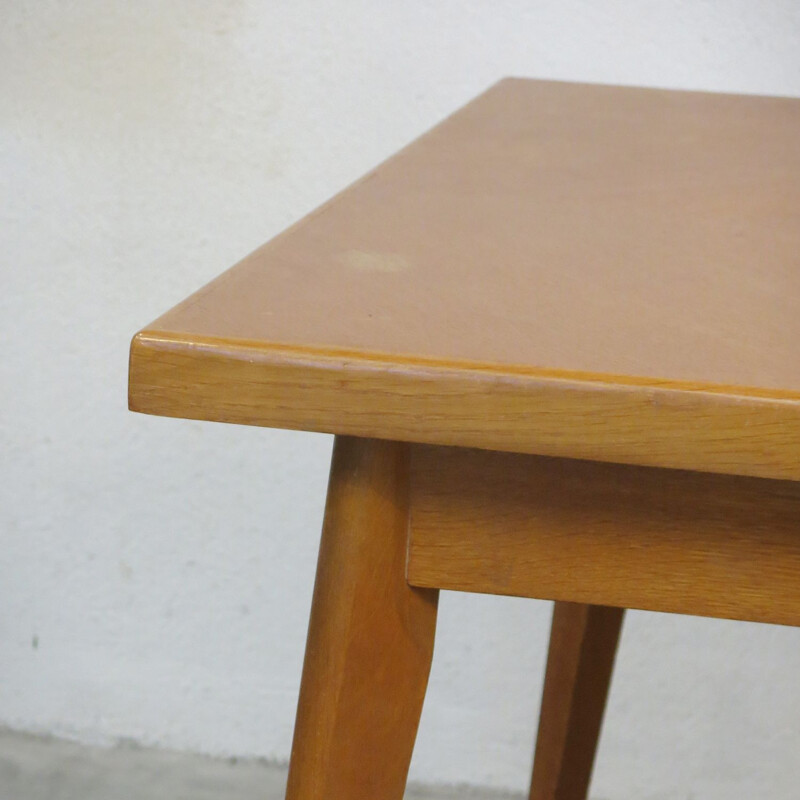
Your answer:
<point x="547" y="232"/>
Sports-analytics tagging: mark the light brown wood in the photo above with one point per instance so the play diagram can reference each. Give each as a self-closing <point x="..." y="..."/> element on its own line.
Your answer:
<point x="447" y="405"/>
<point x="370" y="638"/>
<point x="583" y="644"/>
<point x="605" y="534"/>
<point x="585" y="271"/>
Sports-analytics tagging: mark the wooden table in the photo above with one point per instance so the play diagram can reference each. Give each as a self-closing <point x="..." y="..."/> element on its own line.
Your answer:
<point x="558" y="340"/>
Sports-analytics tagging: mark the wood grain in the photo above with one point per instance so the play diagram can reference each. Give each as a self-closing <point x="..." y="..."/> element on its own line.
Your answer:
<point x="370" y="638"/>
<point x="476" y="406"/>
<point x="580" y="660"/>
<point x="588" y="271"/>
<point x="605" y="534"/>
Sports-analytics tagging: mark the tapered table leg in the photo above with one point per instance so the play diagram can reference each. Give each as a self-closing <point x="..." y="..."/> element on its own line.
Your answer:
<point x="583" y="643"/>
<point x="370" y="638"/>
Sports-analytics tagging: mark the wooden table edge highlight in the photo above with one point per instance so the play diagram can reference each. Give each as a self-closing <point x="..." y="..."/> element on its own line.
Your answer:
<point x="630" y="420"/>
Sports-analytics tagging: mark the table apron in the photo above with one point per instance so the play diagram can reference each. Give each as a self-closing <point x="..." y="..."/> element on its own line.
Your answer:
<point x="606" y="534"/>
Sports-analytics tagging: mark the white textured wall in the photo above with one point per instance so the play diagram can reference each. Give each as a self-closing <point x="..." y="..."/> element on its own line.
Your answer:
<point x="155" y="575"/>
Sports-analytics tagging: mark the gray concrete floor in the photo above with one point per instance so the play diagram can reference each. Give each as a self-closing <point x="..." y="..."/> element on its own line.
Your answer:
<point x="38" y="768"/>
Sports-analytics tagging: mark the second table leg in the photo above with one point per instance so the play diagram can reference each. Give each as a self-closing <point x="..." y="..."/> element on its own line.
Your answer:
<point x="583" y="643"/>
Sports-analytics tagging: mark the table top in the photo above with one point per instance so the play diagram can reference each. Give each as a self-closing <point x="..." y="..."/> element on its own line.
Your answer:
<point x="569" y="269"/>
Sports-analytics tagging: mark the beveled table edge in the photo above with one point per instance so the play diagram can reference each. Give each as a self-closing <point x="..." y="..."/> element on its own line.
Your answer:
<point x="622" y="419"/>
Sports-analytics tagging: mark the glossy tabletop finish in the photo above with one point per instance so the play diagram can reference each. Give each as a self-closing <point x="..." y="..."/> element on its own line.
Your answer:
<point x="566" y="269"/>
